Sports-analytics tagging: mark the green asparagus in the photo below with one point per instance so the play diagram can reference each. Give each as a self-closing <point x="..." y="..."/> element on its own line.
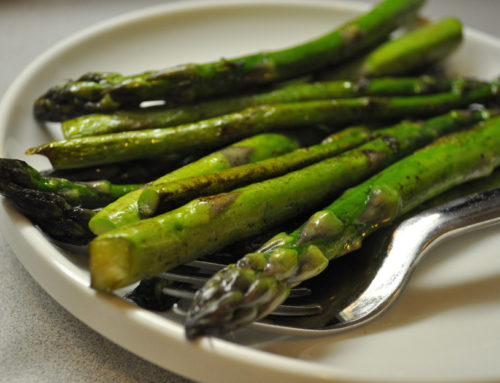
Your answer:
<point x="407" y="54"/>
<point x="207" y="134"/>
<point x="51" y="212"/>
<point x="136" y="251"/>
<point x="131" y="172"/>
<point x="152" y="118"/>
<point x="262" y="280"/>
<point x="400" y="56"/>
<point x="341" y="275"/>
<point x="192" y="82"/>
<point x="86" y="194"/>
<point x="125" y="210"/>
<point x="161" y="197"/>
<point x="51" y="202"/>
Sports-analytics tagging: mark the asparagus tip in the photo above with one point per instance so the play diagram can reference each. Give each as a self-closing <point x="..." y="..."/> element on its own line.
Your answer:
<point x="193" y="332"/>
<point x="207" y="324"/>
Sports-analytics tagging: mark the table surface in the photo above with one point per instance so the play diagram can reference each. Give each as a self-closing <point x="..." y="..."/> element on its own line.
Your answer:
<point x="39" y="340"/>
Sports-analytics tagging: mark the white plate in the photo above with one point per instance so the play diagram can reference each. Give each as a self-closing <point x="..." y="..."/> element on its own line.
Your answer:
<point x="444" y="327"/>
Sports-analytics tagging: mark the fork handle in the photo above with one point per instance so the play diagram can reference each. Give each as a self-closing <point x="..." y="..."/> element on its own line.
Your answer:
<point x="464" y="215"/>
<point x="410" y="241"/>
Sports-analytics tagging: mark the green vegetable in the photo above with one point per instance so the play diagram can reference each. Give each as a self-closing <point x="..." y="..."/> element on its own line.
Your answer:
<point x="215" y="132"/>
<point x="262" y="280"/>
<point x="190" y="82"/>
<point x="131" y="172"/>
<point x="136" y="251"/>
<point x="89" y="194"/>
<point x="51" y="212"/>
<point x="125" y="210"/>
<point x="161" y="197"/>
<point x="152" y="118"/>
<point x="342" y="274"/>
<point x="407" y="54"/>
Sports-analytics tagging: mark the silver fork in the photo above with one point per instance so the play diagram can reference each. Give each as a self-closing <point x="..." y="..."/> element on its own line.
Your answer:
<point x="194" y="274"/>
<point x="359" y="287"/>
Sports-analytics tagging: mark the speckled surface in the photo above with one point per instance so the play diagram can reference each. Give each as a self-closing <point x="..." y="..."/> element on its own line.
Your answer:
<point x="39" y="340"/>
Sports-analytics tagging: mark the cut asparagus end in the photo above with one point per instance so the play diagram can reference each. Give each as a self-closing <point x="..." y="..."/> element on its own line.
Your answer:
<point x="109" y="263"/>
<point x="100" y="225"/>
<point x="116" y="217"/>
<point x="148" y="202"/>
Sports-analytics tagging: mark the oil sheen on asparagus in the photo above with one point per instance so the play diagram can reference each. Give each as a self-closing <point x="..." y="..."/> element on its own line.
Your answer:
<point x="218" y="131"/>
<point x="95" y="92"/>
<point x="204" y="225"/>
<point x="125" y="210"/>
<point x="262" y="280"/>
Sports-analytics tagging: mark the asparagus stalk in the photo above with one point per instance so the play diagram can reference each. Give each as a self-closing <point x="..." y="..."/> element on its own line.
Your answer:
<point x="206" y="134"/>
<point x="400" y="56"/>
<point x="142" y="249"/>
<point x="51" y="202"/>
<point x="161" y="197"/>
<point x="149" y="293"/>
<point x="476" y="185"/>
<point x="152" y="118"/>
<point x="407" y="54"/>
<point x="61" y="208"/>
<point x="125" y="210"/>
<point x="262" y="280"/>
<point x="131" y="172"/>
<point x="86" y="194"/>
<point x="192" y="82"/>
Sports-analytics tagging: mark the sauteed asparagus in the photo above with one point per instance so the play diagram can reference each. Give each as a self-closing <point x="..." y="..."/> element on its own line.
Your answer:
<point x="232" y="190"/>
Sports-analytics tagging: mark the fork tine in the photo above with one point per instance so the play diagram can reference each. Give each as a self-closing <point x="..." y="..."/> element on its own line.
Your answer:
<point x="297" y="292"/>
<point x="181" y="308"/>
<point x="184" y="278"/>
<point x="298" y="310"/>
<point x="189" y="277"/>
<point x="206" y="265"/>
<point x="184" y="292"/>
<point x="197" y="272"/>
<point x="181" y="293"/>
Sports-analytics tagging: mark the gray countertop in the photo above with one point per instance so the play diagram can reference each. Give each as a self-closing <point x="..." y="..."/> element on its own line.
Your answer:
<point x="39" y="340"/>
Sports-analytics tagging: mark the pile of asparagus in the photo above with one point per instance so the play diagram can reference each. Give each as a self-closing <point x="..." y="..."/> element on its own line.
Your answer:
<point x="346" y="129"/>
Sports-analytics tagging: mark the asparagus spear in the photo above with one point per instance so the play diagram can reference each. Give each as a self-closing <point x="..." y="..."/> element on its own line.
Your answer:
<point x="400" y="56"/>
<point x="161" y="197"/>
<point x="129" y="172"/>
<point x="192" y="82"/>
<point x="136" y="251"/>
<point x="260" y="281"/>
<point x="125" y="210"/>
<point x="407" y="54"/>
<point x="51" y="202"/>
<point x="86" y="194"/>
<point x="51" y="212"/>
<point x="462" y="190"/>
<point x="149" y="293"/>
<point x="152" y="118"/>
<point x="61" y="208"/>
<point x="116" y="147"/>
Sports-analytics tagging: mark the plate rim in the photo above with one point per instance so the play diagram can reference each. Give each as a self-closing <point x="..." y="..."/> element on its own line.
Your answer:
<point x="27" y="241"/>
